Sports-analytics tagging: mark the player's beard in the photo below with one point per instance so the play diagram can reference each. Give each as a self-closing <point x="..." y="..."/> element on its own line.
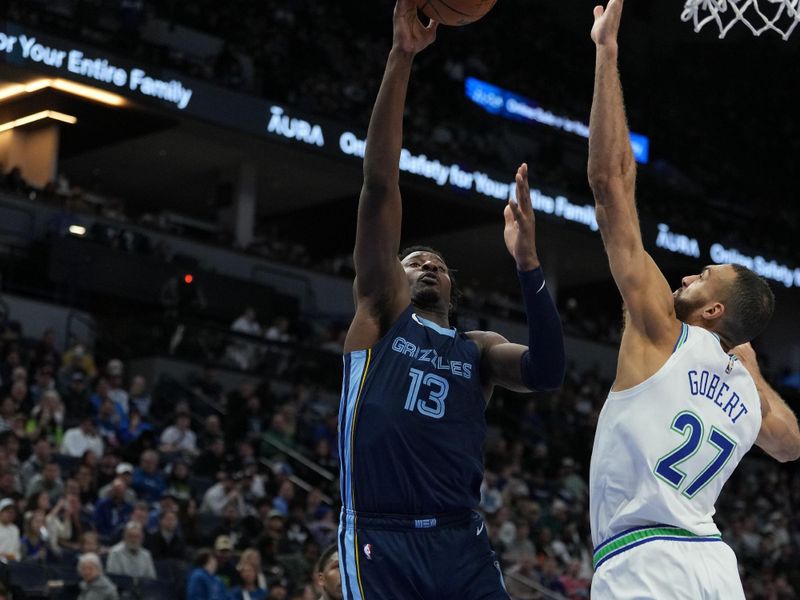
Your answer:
<point x="426" y="296"/>
<point x="684" y="307"/>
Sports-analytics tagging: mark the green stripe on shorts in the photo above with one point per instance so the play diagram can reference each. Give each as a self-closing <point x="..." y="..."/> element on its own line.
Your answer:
<point x="643" y="534"/>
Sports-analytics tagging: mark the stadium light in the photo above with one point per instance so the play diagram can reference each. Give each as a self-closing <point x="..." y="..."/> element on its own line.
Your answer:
<point x="62" y="85"/>
<point x="44" y="114"/>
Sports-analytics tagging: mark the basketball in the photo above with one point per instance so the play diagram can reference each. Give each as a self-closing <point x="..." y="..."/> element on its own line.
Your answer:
<point x="456" y="12"/>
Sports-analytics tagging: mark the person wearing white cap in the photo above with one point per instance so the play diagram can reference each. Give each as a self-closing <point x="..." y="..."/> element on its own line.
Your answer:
<point x="9" y="533"/>
<point x="123" y="471"/>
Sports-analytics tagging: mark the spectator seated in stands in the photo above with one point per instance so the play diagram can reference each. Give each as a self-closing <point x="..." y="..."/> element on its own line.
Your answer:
<point x="203" y="583"/>
<point x="212" y="429"/>
<point x="8" y="482"/>
<point x="115" y="371"/>
<point x="42" y="452"/>
<point x="283" y="499"/>
<point x="8" y="410"/>
<point x="64" y="526"/>
<point x="49" y="480"/>
<point x="167" y="541"/>
<point x="123" y="471"/>
<point x="47" y="418"/>
<point x="179" y="438"/>
<point x="178" y="484"/>
<point x="82" y="438"/>
<point x="148" y="480"/>
<point x="278" y="435"/>
<point x="136" y="427"/>
<point x="90" y="542"/>
<point x="231" y="526"/>
<point x="111" y="514"/>
<point x="45" y="351"/>
<point x="212" y="460"/>
<point x="221" y="494"/>
<point x="139" y="397"/>
<point x="75" y="395"/>
<point x="9" y="533"/>
<point x="245" y="422"/>
<point x="94" y="585"/>
<point x="241" y="353"/>
<point x="129" y="557"/>
<point x="34" y="542"/>
<point x="248" y="588"/>
<point x="226" y="567"/>
<point x="111" y="420"/>
<point x="43" y="382"/>
<point x="77" y="360"/>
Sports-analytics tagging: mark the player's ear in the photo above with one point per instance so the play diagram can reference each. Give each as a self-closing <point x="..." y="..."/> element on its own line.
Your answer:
<point x="714" y="311"/>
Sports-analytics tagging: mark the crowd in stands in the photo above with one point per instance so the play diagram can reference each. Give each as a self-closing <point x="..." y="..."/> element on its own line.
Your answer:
<point x="193" y="484"/>
<point x="99" y="474"/>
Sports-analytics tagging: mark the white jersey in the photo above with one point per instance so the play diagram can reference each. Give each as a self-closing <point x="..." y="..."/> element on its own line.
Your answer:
<point x="664" y="448"/>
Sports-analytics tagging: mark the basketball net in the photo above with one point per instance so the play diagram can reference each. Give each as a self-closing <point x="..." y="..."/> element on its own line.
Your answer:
<point x="780" y="16"/>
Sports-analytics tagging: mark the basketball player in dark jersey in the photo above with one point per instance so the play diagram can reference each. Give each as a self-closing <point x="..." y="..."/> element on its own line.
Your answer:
<point x="411" y="422"/>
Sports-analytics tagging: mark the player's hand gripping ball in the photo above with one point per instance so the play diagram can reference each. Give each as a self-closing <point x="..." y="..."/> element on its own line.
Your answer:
<point x="455" y="12"/>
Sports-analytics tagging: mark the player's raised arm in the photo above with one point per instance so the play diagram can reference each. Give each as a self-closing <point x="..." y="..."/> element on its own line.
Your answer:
<point x="612" y="176"/>
<point x="779" y="435"/>
<point x="379" y="276"/>
<point x="541" y="365"/>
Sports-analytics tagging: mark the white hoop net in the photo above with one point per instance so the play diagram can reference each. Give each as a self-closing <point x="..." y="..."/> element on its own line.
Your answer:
<point x="780" y="16"/>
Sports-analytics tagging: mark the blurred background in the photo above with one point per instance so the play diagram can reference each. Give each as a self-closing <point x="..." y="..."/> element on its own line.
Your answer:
<point x="178" y="192"/>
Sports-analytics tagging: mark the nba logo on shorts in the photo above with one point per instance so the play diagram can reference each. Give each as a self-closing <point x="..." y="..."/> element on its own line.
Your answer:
<point x="368" y="551"/>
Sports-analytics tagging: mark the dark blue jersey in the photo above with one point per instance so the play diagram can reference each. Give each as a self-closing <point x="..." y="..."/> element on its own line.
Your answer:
<point x="412" y="423"/>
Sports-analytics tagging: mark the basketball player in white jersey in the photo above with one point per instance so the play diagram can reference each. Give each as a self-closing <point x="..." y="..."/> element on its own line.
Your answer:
<point x="683" y="411"/>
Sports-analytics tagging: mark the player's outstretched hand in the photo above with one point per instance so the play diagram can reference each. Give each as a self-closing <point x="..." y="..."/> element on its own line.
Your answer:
<point x="410" y="35"/>
<point x="606" y="23"/>
<point x="520" y="229"/>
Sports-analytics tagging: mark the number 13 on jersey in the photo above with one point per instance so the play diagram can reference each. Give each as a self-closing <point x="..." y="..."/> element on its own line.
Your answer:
<point x="690" y="426"/>
<point x="433" y="406"/>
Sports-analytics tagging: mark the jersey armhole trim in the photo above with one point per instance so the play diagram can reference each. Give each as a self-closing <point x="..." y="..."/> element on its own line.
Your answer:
<point x="680" y="345"/>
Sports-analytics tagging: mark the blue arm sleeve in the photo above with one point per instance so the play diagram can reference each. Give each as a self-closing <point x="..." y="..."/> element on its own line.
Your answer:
<point x="543" y="365"/>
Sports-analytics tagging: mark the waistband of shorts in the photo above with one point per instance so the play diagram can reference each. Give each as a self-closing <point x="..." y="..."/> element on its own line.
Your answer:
<point x="637" y="536"/>
<point x="398" y="522"/>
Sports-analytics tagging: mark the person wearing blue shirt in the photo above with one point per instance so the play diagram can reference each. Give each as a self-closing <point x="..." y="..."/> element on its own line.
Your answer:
<point x="248" y="590"/>
<point x="148" y="481"/>
<point x="111" y="513"/>
<point x="203" y="583"/>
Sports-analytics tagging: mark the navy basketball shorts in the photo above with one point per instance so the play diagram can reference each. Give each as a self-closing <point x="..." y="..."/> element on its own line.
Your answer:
<point x="446" y="557"/>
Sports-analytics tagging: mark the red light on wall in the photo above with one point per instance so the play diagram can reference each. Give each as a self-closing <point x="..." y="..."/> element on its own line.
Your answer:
<point x="188" y="278"/>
